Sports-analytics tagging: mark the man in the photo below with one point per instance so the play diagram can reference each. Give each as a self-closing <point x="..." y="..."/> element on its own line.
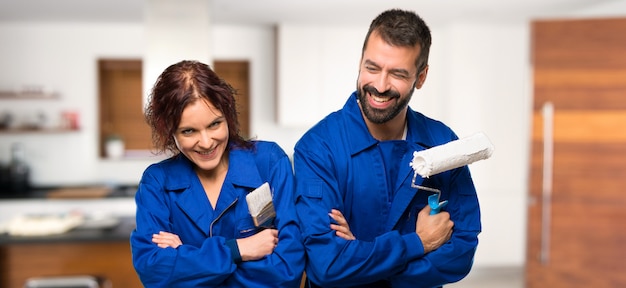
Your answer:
<point x="363" y="224"/>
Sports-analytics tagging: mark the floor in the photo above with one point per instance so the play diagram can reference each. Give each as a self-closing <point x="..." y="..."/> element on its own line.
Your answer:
<point x="496" y="277"/>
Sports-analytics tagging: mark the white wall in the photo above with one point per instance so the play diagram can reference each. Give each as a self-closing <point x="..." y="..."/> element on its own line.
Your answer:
<point x="317" y="70"/>
<point x="479" y="80"/>
<point x="174" y="30"/>
<point x="465" y="73"/>
<point x="63" y="58"/>
<point x="482" y="73"/>
<point x="258" y="45"/>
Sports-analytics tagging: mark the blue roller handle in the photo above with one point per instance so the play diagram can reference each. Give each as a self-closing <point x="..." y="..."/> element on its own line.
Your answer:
<point x="435" y="205"/>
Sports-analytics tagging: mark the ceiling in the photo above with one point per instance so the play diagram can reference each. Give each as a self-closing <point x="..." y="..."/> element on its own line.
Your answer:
<point x="293" y="11"/>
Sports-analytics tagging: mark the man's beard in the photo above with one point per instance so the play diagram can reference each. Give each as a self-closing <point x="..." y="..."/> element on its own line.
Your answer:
<point x="380" y="116"/>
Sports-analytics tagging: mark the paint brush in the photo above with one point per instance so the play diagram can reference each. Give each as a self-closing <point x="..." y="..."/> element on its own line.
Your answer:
<point x="261" y="206"/>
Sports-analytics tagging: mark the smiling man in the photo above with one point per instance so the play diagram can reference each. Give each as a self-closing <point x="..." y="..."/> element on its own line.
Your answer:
<point x="363" y="224"/>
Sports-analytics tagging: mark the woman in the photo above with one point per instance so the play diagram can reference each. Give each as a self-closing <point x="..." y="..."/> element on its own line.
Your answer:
<point x="193" y="225"/>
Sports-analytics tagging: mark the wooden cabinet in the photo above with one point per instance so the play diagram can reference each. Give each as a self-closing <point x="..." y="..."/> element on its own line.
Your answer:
<point x="104" y="254"/>
<point x="576" y="227"/>
<point x="237" y="74"/>
<point x="109" y="260"/>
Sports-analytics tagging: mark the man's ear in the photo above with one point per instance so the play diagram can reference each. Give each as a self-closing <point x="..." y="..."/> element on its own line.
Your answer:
<point x="421" y="78"/>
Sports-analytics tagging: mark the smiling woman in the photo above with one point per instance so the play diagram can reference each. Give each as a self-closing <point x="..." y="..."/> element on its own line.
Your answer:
<point x="209" y="236"/>
<point x="121" y="106"/>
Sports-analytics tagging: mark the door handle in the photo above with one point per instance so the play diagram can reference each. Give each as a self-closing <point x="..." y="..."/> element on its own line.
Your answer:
<point x="546" y="193"/>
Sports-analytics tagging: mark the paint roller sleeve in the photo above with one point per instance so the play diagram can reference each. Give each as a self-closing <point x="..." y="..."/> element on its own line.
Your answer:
<point x="451" y="155"/>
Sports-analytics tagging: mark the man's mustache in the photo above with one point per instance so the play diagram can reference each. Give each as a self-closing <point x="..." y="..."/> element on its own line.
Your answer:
<point x="389" y="93"/>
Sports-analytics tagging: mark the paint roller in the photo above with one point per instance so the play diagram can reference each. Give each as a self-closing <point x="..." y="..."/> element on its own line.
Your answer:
<point x="451" y="155"/>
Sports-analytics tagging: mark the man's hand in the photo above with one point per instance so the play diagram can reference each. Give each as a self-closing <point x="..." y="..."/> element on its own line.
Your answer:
<point x="166" y="239"/>
<point x="258" y="245"/>
<point x="434" y="230"/>
<point x="343" y="229"/>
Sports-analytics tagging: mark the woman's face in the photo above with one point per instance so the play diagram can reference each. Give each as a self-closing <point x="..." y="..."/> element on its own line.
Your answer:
<point x="202" y="136"/>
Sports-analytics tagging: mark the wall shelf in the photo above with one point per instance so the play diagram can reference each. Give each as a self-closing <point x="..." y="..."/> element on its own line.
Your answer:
<point x="24" y="95"/>
<point x="37" y="131"/>
<point x="30" y="93"/>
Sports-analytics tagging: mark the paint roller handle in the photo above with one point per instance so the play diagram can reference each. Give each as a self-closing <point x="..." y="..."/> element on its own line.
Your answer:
<point x="435" y="205"/>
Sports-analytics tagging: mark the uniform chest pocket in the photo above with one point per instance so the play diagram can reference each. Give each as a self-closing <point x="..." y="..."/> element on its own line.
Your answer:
<point x="406" y="224"/>
<point x="246" y="228"/>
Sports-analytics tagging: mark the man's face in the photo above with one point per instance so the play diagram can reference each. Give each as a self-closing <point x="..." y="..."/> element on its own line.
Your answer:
<point x="387" y="78"/>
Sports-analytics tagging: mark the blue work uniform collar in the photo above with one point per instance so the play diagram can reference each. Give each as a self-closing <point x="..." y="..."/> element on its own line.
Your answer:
<point x="247" y="175"/>
<point x="418" y="138"/>
<point x="242" y="173"/>
<point x="417" y="134"/>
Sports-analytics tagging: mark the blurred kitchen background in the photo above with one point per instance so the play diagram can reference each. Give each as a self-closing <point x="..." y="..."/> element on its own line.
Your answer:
<point x="74" y="75"/>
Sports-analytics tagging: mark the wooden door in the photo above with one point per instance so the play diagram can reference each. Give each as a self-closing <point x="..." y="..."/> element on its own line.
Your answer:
<point x="577" y="211"/>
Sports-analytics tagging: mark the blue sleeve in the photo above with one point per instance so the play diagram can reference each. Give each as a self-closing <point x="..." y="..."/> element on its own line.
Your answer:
<point x="333" y="261"/>
<point x="186" y="266"/>
<point x="452" y="261"/>
<point x="284" y="267"/>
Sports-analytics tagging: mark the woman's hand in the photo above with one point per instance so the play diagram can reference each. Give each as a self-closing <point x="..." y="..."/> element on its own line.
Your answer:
<point x="342" y="229"/>
<point x="258" y="245"/>
<point x="166" y="239"/>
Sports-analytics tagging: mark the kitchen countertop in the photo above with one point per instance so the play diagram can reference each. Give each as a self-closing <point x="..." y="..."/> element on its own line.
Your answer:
<point x="119" y="232"/>
<point x="72" y="192"/>
<point x="99" y="205"/>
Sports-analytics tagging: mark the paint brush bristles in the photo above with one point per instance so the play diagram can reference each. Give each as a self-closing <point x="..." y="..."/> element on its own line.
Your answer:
<point x="261" y="206"/>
